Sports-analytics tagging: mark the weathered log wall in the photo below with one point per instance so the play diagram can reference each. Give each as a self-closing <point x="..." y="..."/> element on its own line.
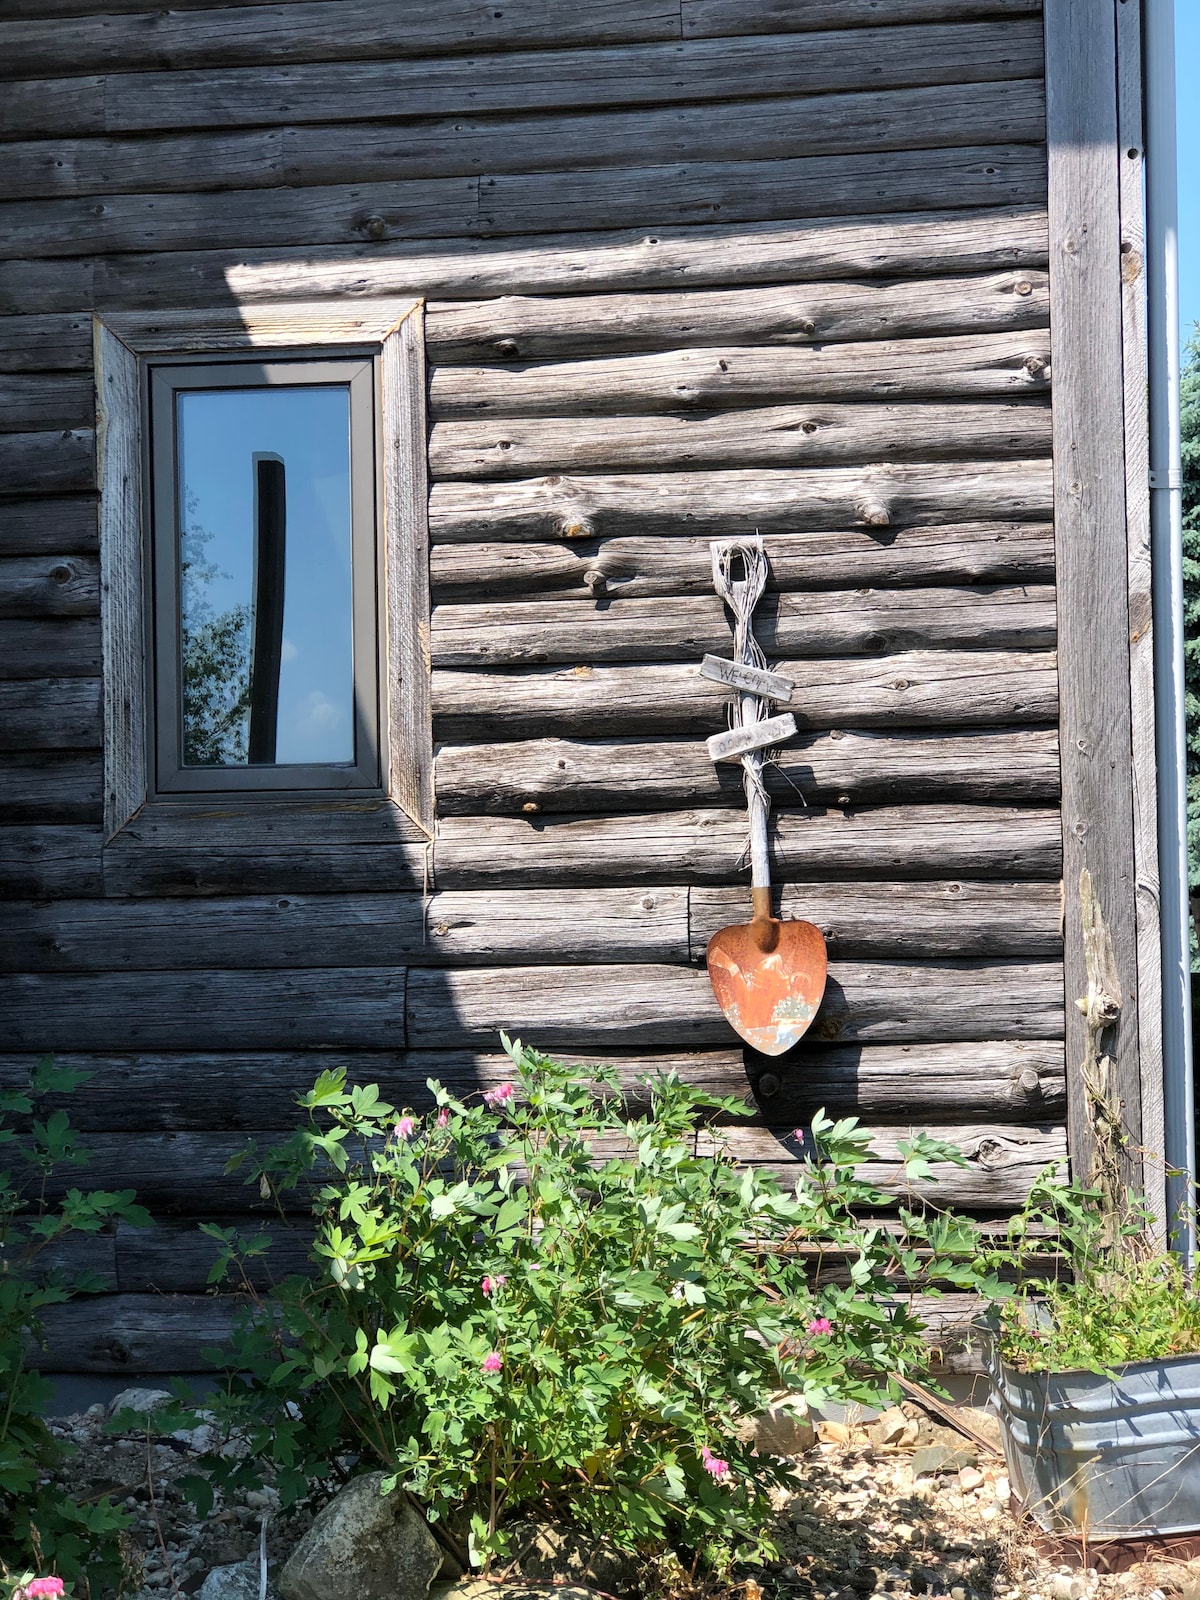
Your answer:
<point x="690" y="270"/>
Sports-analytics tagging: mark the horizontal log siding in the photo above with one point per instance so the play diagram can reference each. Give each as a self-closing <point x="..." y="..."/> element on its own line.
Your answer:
<point x="691" y="270"/>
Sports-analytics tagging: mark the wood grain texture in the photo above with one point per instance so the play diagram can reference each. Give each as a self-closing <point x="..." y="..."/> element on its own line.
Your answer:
<point x="363" y="930"/>
<point x="318" y="1008"/>
<point x="701" y="17"/>
<point x="60" y="462"/>
<point x="235" y="848"/>
<point x="309" y="30"/>
<point x="61" y="342"/>
<point x="819" y="434"/>
<point x="50" y="714"/>
<point x="669" y="258"/>
<point x="49" y="586"/>
<point x="729" y="503"/>
<point x="539" y="328"/>
<point x="894" y="921"/>
<point x="1009" y="365"/>
<point x="145" y="1092"/>
<point x="292" y="323"/>
<point x="652" y="74"/>
<point x="43" y="647"/>
<point x="832" y="622"/>
<point x="143" y="1333"/>
<point x="1094" y="621"/>
<point x="851" y="767"/>
<point x="43" y="861"/>
<point x="1136" y="399"/>
<point x="122" y="601"/>
<point x="916" y="689"/>
<point x="406" y="571"/>
<point x="343" y="151"/>
<point x="31" y="401"/>
<point x="528" y="203"/>
<point x="671" y="564"/>
<point x="47" y="527"/>
<point x="597" y="1007"/>
<point x="694" y="847"/>
<point x="51" y="788"/>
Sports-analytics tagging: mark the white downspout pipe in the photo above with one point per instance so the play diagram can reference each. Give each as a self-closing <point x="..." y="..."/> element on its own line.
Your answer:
<point x="1166" y="537"/>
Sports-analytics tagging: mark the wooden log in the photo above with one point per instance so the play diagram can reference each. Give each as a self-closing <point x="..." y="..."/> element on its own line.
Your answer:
<point x="706" y="846"/>
<point x="918" y="689"/>
<point x="47" y="463"/>
<point x="895" y="921"/>
<point x="46" y="527"/>
<point x="544" y="328"/>
<point x="757" y="191"/>
<point x="49" y="586"/>
<point x="62" y="342"/>
<point x="670" y="258"/>
<point x="30" y="401"/>
<point x="1013" y="1079"/>
<point x="50" y="714"/>
<point x="473" y="928"/>
<point x="1003" y="1161"/>
<point x="529" y="203"/>
<point x="307" y="31"/>
<point x="175" y="1093"/>
<point x="127" y="222"/>
<point x="51" y="788"/>
<point x="655" y="74"/>
<point x="831" y="622"/>
<point x="50" y="647"/>
<point x="733" y="17"/>
<point x="302" y="848"/>
<point x="982" y="552"/>
<point x="1007" y="365"/>
<point x="733" y="503"/>
<point x="175" y="1257"/>
<point x="45" y="861"/>
<point x="823" y="433"/>
<point x="342" y="151"/>
<point x="852" y="768"/>
<point x="125" y="1334"/>
<point x="319" y="1007"/>
<point x="597" y="1008"/>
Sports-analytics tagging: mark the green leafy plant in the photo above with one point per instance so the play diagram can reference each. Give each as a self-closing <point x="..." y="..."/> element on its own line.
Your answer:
<point x="1091" y="1298"/>
<point x="42" y="1527"/>
<point x="548" y="1303"/>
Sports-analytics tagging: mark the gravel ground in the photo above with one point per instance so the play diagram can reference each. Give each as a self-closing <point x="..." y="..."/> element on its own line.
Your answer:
<point x="864" y="1522"/>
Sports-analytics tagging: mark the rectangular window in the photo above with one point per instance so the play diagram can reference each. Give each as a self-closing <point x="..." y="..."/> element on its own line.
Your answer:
<point x="265" y="575"/>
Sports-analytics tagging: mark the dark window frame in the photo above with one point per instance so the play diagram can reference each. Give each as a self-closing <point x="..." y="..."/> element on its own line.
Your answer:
<point x="164" y="380"/>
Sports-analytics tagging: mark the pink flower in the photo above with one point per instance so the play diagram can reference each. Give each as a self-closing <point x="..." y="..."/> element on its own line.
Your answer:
<point x="443" y="1118"/>
<point x="494" y="1362"/>
<point x="820" y="1325"/>
<point x="498" y="1098"/>
<point x="42" y="1586"/>
<point x="490" y="1285"/>
<point x="713" y="1465"/>
<point x="798" y="1135"/>
<point x="405" y="1128"/>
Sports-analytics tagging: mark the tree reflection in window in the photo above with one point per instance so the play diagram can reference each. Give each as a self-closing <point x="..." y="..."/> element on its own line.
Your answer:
<point x="215" y="650"/>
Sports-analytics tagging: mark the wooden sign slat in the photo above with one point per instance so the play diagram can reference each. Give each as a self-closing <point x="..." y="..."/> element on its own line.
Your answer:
<point x="751" y="680"/>
<point x="736" y="742"/>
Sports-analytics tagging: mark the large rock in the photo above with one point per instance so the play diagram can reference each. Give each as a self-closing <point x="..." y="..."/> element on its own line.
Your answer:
<point x="364" y="1546"/>
<point x="143" y="1401"/>
<point x="241" y="1581"/>
<point x="783" y="1429"/>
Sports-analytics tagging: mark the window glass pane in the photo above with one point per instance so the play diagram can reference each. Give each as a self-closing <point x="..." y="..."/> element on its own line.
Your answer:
<point x="266" y="627"/>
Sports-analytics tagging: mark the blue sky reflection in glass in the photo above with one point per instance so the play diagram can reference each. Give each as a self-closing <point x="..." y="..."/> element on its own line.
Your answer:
<point x="220" y="432"/>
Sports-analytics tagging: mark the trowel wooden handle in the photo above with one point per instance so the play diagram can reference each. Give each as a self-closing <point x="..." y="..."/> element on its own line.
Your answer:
<point x="765" y="927"/>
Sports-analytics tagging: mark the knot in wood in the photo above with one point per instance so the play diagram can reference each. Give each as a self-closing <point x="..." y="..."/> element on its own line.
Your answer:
<point x="1035" y="366"/>
<point x="874" y="514"/>
<point x="807" y="325"/>
<point x="596" y="582"/>
<point x="508" y="348"/>
<point x="769" y="1085"/>
<point x="530" y="807"/>
<point x="60" y="574"/>
<point x="577" y="526"/>
<point x="375" y="228"/>
<point x="1029" y="1081"/>
<point x="1023" y="286"/>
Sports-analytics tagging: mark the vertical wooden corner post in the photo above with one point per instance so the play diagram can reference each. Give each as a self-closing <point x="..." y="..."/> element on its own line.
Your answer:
<point x="1113" y="1025"/>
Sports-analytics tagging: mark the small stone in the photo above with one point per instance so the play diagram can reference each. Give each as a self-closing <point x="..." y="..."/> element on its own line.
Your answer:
<point x="902" y="1530"/>
<point x="240" y="1582"/>
<point x="958" y="1593"/>
<point x="893" y="1428"/>
<point x="1062" y="1586"/>
<point x="942" y="1458"/>
<point x="96" y="1413"/>
<point x="970" y="1478"/>
<point x="143" y="1401"/>
<point x="262" y="1499"/>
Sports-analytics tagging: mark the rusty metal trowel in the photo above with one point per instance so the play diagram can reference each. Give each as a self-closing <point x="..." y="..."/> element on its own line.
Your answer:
<point x="768" y="975"/>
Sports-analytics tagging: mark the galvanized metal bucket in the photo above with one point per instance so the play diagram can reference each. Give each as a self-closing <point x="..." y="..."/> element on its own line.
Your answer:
<point x="1104" y="1457"/>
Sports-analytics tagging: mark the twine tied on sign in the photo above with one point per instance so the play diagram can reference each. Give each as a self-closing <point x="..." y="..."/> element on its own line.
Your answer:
<point x="741" y="595"/>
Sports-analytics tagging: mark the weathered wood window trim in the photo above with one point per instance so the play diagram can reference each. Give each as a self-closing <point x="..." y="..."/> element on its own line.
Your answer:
<point x="393" y="333"/>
